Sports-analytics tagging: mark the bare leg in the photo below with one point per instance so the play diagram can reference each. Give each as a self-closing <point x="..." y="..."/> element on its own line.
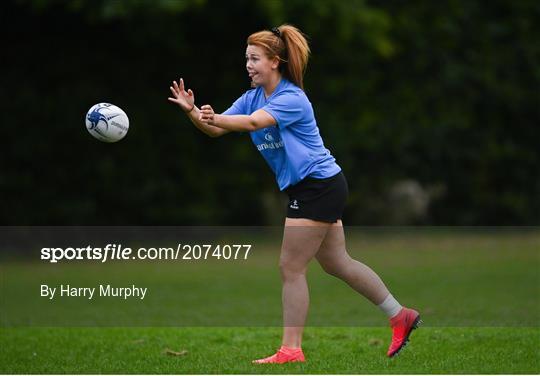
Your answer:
<point x="335" y="260"/>
<point x="302" y="239"/>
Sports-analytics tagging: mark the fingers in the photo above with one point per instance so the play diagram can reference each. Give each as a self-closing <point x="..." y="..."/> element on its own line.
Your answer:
<point x="179" y="95"/>
<point x="179" y="87"/>
<point x="206" y="110"/>
<point x="206" y="113"/>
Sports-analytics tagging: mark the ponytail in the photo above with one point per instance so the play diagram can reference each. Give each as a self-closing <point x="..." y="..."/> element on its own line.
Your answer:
<point x="290" y="46"/>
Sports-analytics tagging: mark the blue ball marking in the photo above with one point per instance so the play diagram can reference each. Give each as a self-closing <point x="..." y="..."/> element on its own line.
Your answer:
<point x="95" y="117"/>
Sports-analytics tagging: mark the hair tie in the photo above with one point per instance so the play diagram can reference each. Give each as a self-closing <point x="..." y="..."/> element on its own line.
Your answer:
<point x="276" y="32"/>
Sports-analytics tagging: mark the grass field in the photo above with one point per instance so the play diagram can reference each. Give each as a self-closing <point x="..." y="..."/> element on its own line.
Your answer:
<point x="230" y="350"/>
<point x="478" y="293"/>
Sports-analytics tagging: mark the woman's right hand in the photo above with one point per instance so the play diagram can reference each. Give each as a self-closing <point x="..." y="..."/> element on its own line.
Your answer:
<point x="184" y="99"/>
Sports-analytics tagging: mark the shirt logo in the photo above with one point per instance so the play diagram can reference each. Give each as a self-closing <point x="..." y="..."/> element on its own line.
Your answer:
<point x="273" y="141"/>
<point x="294" y="205"/>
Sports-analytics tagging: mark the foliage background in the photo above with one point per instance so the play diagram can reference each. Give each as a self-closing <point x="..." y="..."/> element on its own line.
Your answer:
<point x="431" y="108"/>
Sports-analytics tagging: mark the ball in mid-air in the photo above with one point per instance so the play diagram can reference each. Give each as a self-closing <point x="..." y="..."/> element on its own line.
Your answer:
<point x="107" y="122"/>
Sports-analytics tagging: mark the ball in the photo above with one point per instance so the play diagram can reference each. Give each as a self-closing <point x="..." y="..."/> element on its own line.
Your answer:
<point x="107" y="122"/>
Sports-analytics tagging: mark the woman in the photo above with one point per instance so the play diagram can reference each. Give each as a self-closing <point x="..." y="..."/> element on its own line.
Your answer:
<point x="280" y="119"/>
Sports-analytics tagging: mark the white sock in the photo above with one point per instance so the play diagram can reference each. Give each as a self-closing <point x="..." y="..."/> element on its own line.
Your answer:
<point x="390" y="306"/>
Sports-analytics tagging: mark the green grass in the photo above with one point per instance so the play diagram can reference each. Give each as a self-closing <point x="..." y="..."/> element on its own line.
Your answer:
<point x="230" y="350"/>
<point x="478" y="293"/>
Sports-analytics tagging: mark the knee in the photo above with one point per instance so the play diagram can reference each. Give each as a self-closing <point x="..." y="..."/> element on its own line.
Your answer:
<point x="337" y="267"/>
<point x="289" y="271"/>
<point x="332" y="269"/>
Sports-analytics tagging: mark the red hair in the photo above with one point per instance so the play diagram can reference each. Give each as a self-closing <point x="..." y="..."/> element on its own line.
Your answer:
<point x="290" y="46"/>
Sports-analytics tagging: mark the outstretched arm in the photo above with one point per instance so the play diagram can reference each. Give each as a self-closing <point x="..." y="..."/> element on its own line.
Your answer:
<point x="186" y="101"/>
<point x="239" y="123"/>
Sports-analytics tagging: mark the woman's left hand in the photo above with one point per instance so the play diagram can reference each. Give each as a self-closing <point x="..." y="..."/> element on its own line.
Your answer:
<point x="207" y="114"/>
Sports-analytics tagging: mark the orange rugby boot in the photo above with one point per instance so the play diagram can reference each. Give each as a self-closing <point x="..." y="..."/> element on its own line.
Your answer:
<point x="402" y="325"/>
<point x="283" y="355"/>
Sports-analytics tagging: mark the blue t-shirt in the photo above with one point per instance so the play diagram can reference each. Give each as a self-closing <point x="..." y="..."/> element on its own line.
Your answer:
<point x="294" y="148"/>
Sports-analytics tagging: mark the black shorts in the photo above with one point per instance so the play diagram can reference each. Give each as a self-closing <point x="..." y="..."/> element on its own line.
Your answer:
<point x="318" y="199"/>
